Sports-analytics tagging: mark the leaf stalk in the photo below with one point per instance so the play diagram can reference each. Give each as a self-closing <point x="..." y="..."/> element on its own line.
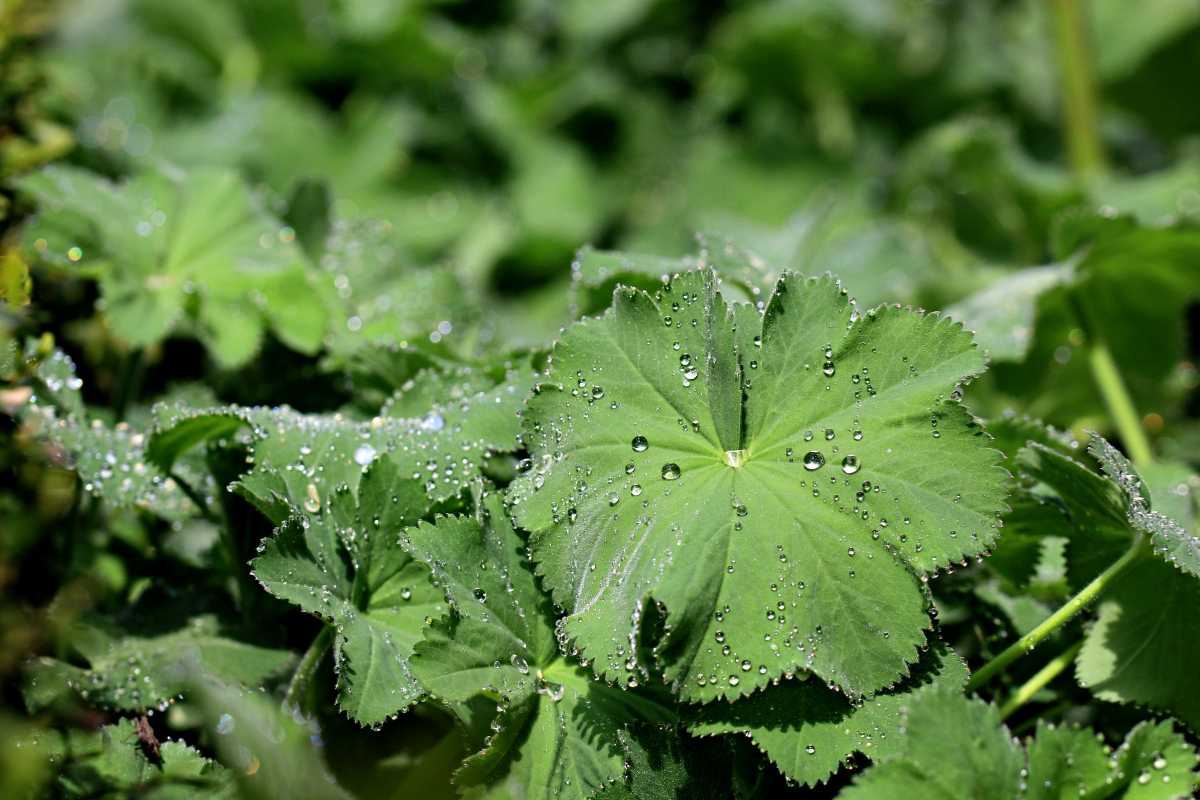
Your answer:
<point x="307" y="668"/>
<point x="1078" y="85"/>
<point x="1069" y="609"/>
<point x="1038" y="682"/>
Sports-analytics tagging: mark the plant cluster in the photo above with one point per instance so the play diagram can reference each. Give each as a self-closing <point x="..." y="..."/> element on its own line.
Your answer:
<point x="333" y="467"/>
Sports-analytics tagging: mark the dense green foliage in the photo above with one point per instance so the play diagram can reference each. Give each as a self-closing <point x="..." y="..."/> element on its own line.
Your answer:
<point x="538" y="399"/>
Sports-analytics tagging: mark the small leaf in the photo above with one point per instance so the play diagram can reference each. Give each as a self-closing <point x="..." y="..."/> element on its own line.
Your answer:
<point x="984" y="761"/>
<point x="343" y="563"/>
<point x="134" y="667"/>
<point x="808" y="730"/>
<point x="556" y="732"/>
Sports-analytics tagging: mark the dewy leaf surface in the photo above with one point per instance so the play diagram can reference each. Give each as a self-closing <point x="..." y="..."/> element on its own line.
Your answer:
<point x="983" y="761"/>
<point x="776" y="480"/>
<point x="955" y="748"/>
<point x="808" y="729"/>
<point x="556" y="734"/>
<point x="132" y="669"/>
<point x="112" y="461"/>
<point x="300" y="459"/>
<point x="1146" y="640"/>
<point x="345" y="564"/>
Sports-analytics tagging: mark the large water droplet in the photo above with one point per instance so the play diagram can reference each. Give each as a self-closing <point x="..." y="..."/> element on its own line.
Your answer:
<point x="364" y="455"/>
<point x="813" y="460"/>
<point x="670" y="471"/>
<point x="850" y="464"/>
<point x="639" y="444"/>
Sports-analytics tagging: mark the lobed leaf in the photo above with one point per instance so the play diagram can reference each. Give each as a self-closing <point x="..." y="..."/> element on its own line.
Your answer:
<point x="776" y="480"/>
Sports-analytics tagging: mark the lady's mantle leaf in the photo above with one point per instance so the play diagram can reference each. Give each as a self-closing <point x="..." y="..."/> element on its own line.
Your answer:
<point x="557" y="730"/>
<point x="114" y="762"/>
<point x="1171" y="540"/>
<point x="344" y="563"/>
<point x="141" y="665"/>
<point x="1147" y="636"/>
<point x="774" y="480"/>
<point x="112" y="461"/>
<point x="808" y="729"/>
<point x="166" y="245"/>
<point x="300" y="459"/>
<point x="984" y="761"/>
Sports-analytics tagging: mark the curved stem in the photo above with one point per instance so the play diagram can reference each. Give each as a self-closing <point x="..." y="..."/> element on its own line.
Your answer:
<point x="307" y="668"/>
<point x="1120" y="405"/>
<point x="1035" y="684"/>
<point x="1056" y="620"/>
<point x="1078" y="86"/>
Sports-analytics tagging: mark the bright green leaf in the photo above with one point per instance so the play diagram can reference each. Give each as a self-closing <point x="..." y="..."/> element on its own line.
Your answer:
<point x="773" y="479"/>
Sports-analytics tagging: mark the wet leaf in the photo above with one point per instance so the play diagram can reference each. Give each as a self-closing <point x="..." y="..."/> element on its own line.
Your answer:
<point x="774" y="480"/>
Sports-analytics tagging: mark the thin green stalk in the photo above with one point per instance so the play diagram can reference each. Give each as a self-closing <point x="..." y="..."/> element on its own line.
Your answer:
<point x="1119" y="403"/>
<point x="1078" y="86"/>
<point x="307" y="668"/>
<point x="194" y="496"/>
<point x="129" y="382"/>
<point x="1038" y="682"/>
<point x="1056" y="620"/>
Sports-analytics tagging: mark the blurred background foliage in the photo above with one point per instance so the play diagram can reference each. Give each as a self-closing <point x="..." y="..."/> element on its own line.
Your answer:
<point x="437" y="165"/>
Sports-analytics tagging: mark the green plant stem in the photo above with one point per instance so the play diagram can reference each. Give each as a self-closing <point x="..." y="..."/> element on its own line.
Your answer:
<point x="1078" y="85"/>
<point x="1056" y="620"/>
<point x="129" y="382"/>
<point x="1120" y="404"/>
<point x="194" y="496"/>
<point x="307" y="668"/>
<point x="1035" y="684"/>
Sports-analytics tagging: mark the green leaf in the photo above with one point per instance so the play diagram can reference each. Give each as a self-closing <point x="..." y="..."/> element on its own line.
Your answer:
<point x="808" y="730"/>
<point x="145" y="661"/>
<point x="556" y="731"/>
<point x="344" y="563"/>
<point x="1153" y="763"/>
<point x="111" y="460"/>
<point x="1003" y="314"/>
<point x="983" y="762"/>
<point x="114" y="762"/>
<point x="172" y="250"/>
<point x="1171" y="541"/>
<point x="663" y="765"/>
<point x="300" y="459"/>
<point x="1144" y="640"/>
<point x="773" y="479"/>
<point x="1065" y="762"/>
<point x="1145" y="624"/>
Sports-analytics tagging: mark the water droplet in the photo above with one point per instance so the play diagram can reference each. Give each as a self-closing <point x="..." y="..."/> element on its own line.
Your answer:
<point x="850" y="464"/>
<point x="813" y="460"/>
<point x="364" y="455"/>
<point x="670" y="471"/>
<point x="312" y="500"/>
<point x="639" y="444"/>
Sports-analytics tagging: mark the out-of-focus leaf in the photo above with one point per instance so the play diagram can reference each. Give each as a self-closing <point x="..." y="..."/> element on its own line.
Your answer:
<point x="180" y="250"/>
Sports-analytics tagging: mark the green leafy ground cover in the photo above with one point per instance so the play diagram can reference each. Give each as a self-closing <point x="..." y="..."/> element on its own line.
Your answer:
<point x="626" y="400"/>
